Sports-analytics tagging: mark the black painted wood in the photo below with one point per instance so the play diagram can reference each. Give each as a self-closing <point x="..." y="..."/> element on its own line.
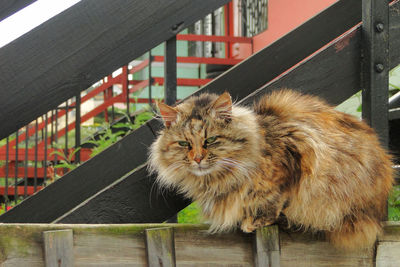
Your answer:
<point x="375" y="75"/>
<point x="170" y="72"/>
<point x="78" y="47"/>
<point x="86" y="180"/>
<point x="119" y="159"/>
<point x="331" y="73"/>
<point x="288" y="50"/>
<point x="134" y="198"/>
<point x="9" y="7"/>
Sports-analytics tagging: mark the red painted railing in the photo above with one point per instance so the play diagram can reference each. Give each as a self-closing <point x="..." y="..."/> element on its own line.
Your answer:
<point x="43" y="150"/>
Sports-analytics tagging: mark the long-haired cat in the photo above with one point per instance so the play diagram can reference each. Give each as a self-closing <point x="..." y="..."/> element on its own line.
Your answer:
<point x="291" y="154"/>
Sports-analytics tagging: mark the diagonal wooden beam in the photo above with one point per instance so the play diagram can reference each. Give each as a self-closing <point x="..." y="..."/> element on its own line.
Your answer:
<point x="7" y="7"/>
<point x="338" y="64"/>
<point x="334" y="69"/>
<point x="78" y="47"/>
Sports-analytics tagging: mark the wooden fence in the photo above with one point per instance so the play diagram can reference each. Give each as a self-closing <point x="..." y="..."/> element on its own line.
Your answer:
<point x="180" y="245"/>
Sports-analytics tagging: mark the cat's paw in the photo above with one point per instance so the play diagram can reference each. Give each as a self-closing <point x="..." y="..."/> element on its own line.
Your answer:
<point x="250" y="225"/>
<point x="248" y="228"/>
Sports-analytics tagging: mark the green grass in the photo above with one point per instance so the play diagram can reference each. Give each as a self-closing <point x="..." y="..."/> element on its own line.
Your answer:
<point x="394" y="204"/>
<point x="190" y="214"/>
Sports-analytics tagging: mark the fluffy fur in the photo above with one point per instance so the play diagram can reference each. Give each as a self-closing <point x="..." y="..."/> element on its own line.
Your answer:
<point x="290" y="154"/>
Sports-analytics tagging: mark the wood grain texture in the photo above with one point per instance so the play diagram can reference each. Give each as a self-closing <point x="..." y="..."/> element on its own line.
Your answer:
<point x="307" y="249"/>
<point x="124" y="245"/>
<point x="388" y="255"/>
<point x="202" y="249"/>
<point x="58" y="248"/>
<point x="266" y="248"/>
<point x="81" y="45"/>
<point x="160" y="247"/>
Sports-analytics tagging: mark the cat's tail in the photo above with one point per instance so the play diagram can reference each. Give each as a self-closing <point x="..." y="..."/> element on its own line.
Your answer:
<point x="356" y="234"/>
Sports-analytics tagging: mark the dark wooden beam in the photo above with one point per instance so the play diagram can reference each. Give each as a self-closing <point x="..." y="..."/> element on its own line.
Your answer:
<point x="86" y="180"/>
<point x="375" y="71"/>
<point x="330" y="73"/>
<point x="81" y="45"/>
<point x="336" y="69"/>
<point x="9" y="7"/>
<point x="134" y="198"/>
<point x="288" y="50"/>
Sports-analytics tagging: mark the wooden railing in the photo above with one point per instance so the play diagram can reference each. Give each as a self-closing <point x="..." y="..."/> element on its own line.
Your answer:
<point x="35" y="143"/>
<point x="182" y="245"/>
<point x="117" y="187"/>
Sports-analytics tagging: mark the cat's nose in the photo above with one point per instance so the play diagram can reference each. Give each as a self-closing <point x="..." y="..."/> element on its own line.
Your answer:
<point x="198" y="159"/>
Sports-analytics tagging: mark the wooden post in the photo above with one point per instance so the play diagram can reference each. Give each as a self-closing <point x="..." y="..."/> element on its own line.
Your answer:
<point x="58" y="248"/>
<point x="375" y="74"/>
<point x="160" y="247"/>
<point x="266" y="249"/>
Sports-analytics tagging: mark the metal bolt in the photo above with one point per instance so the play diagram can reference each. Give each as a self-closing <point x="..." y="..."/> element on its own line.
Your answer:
<point x="379" y="27"/>
<point x="379" y="67"/>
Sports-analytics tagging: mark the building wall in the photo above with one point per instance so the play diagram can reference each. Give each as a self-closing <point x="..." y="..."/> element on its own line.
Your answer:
<point x="283" y="16"/>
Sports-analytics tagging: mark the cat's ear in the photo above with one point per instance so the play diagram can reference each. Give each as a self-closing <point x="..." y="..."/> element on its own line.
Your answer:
<point x="169" y="114"/>
<point x="223" y="105"/>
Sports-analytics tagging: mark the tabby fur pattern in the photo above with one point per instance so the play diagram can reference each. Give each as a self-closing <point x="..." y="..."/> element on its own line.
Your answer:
<point x="290" y="154"/>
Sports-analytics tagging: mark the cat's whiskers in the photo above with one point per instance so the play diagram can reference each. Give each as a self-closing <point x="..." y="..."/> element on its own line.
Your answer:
<point x="234" y="163"/>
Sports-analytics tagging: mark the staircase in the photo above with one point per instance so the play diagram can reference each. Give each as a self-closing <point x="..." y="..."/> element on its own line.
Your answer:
<point x="114" y="186"/>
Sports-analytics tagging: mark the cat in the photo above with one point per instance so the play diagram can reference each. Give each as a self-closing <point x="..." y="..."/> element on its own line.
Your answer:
<point x="290" y="154"/>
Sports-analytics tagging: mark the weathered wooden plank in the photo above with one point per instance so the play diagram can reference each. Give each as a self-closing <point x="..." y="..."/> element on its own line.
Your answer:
<point x="58" y="248"/>
<point x="302" y="249"/>
<point x="124" y="245"/>
<point x="160" y="247"/>
<point x="392" y="232"/>
<point x="78" y="47"/>
<point x="387" y="254"/>
<point x="8" y="7"/>
<point x="200" y="248"/>
<point x="266" y="248"/>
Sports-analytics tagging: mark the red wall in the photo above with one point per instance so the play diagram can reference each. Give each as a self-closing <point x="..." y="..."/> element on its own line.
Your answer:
<point x="284" y="16"/>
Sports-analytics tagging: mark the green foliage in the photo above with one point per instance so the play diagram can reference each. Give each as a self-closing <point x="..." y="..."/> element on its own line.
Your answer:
<point x="107" y="137"/>
<point x="394" y="204"/>
<point x="190" y="214"/>
<point x="9" y="206"/>
<point x="66" y="160"/>
<point x="112" y="133"/>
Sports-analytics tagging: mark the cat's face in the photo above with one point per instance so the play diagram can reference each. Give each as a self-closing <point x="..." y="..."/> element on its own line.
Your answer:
<point x="198" y="138"/>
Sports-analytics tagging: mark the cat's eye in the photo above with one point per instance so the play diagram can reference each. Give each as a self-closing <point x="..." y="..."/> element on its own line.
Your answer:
<point x="211" y="140"/>
<point x="183" y="143"/>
